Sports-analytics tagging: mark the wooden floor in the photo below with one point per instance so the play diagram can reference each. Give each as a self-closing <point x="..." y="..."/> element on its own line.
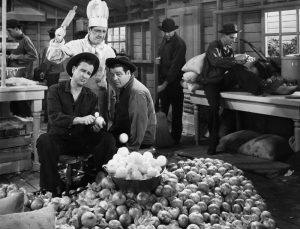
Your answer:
<point x="27" y="179"/>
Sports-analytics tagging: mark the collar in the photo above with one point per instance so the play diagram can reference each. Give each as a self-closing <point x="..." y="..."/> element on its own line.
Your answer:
<point x="68" y="88"/>
<point x="20" y="37"/>
<point x="130" y="82"/>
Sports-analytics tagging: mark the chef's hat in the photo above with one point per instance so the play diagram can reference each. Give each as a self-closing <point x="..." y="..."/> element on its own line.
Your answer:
<point x="97" y="13"/>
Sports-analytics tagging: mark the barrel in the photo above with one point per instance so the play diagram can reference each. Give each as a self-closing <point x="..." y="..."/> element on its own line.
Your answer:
<point x="290" y="68"/>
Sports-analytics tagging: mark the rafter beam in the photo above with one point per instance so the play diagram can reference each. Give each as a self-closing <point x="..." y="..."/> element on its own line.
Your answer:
<point x="64" y="5"/>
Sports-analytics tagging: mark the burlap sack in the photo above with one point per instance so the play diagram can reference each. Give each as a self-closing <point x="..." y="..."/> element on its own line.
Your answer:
<point x="12" y="204"/>
<point x="195" y="64"/>
<point x="267" y="146"/>
<point x="231" y="142"/>
<point x="190" y="77"/>
<point x="43" y="219"/>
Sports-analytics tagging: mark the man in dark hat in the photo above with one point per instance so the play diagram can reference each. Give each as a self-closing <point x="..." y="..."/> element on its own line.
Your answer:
<point x="73" y="126"/>
<point x="23" y="56"/>
<point x="222" y="71"/>
<point x="172" y="58"/>
<point x="134" y="112"/>
<point x="49" y="71"/>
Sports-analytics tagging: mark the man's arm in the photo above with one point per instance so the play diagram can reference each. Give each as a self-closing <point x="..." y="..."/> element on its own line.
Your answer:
<point x="138" y="116"/>
<point x="216" y="59"/>
<point x="58" y="52"/>
<point x="56" y="115"/>
<point x="30" y="52"/>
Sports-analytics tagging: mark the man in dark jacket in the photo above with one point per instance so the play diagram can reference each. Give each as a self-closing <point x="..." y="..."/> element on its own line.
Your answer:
<point x="73" y="126"/>
<point x="172" y="58"/>
<point x="222" y="71"/>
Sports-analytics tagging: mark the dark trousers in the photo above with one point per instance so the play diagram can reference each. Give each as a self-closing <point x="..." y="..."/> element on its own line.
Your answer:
<point x="50" y="146"/>
<point x="237" y="76"/>
<point x="51" y="79"/>
<point x="173" y="95"/>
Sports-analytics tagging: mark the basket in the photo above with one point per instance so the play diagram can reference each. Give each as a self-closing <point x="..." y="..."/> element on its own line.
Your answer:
<point x="137" y="185"/>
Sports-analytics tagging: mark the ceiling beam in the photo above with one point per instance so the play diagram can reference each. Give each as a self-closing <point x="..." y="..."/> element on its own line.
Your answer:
<point x="64" y="5"/>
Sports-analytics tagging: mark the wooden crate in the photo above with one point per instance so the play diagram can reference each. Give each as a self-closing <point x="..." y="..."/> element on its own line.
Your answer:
<point x="15" y="159"/>
<point x="15" y="126"/>
<point x="15" y="144"/>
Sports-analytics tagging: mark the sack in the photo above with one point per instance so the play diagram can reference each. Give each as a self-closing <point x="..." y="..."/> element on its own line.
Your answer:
<point x="267" y="146"/>
<point x="37" y="75"/>
<point x="231" y="142"/>
<point x="190" y="77"/>
<point x="192" y="87"/>
<point x="12" y="204"/>
<point x="195" y="64"/>
<point x="43" y="218"/>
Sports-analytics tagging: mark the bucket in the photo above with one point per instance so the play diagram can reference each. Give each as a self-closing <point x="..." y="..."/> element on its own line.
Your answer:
<point x="290" y="68"/>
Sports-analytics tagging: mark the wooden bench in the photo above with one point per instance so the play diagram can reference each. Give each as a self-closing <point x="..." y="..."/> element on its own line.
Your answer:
<point x="274" y="105"/>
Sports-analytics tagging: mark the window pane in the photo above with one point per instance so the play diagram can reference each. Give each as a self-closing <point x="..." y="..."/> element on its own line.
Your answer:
<point x="116" y="34"/>
<point x="289" y="44"/>
<point x="272" y="22"/>
<point x="117" y="47"/>
<point x="109" y="34"/>
<point x="122" y="47"/>
<point x="122" y="33"/>
<point x="288" y="21"/>
<point x="272" y="46"/>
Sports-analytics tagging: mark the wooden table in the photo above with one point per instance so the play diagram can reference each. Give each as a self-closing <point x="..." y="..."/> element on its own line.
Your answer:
<point x="35" y="94"/>
<point x="274" y="105"/>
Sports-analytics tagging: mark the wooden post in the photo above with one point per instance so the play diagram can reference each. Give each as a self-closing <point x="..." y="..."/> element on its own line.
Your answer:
<point x="3" y="59"/>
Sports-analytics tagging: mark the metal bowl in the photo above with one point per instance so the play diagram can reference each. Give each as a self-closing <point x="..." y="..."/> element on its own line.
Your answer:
<point x="137" y="186"/>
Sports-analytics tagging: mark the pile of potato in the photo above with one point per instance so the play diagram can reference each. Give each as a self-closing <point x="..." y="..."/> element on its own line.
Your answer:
<point x="194" y="194"/>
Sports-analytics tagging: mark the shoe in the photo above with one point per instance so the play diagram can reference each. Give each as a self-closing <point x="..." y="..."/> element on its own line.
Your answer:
<point x="271" y="84"/>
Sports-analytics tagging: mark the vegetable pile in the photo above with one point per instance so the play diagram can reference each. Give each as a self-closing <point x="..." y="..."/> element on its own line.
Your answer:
<point x="135" y="166"/>
<point x="194" y="194"/>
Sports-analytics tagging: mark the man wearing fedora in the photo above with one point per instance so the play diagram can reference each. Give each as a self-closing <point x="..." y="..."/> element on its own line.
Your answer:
<point x="134" y="112"/>
<point x="222" y="71"/>
<point x="73" y="129"/>
<point x="172" y="58"/>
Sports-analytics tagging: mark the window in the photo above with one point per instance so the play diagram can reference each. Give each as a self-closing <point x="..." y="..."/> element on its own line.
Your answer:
<point x="282" y="32"/>
<point x="116" y="38"/>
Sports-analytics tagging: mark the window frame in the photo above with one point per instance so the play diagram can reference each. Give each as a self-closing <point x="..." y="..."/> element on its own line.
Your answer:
<point x="112" y="42"/>
<point x="281" y="34"/>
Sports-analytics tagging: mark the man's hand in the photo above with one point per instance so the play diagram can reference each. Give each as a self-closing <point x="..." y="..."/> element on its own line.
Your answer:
<point x="60" y="33"/>
<point x="162" y="87"/>
<point x="100" y="122"/>
<point x="241" y="58"/>
<point x="86" y="120"/>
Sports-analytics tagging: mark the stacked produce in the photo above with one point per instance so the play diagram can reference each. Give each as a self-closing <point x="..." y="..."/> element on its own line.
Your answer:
<point x="194" y="194"/>
<point x="135" y="166"/>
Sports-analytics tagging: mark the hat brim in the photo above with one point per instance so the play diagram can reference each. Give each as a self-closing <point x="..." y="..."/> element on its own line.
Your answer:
<point x="169" y="29"/>
<point x="229" y="32"/>
<point x="85" y="55"/>
<point x="110" y="62"/>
